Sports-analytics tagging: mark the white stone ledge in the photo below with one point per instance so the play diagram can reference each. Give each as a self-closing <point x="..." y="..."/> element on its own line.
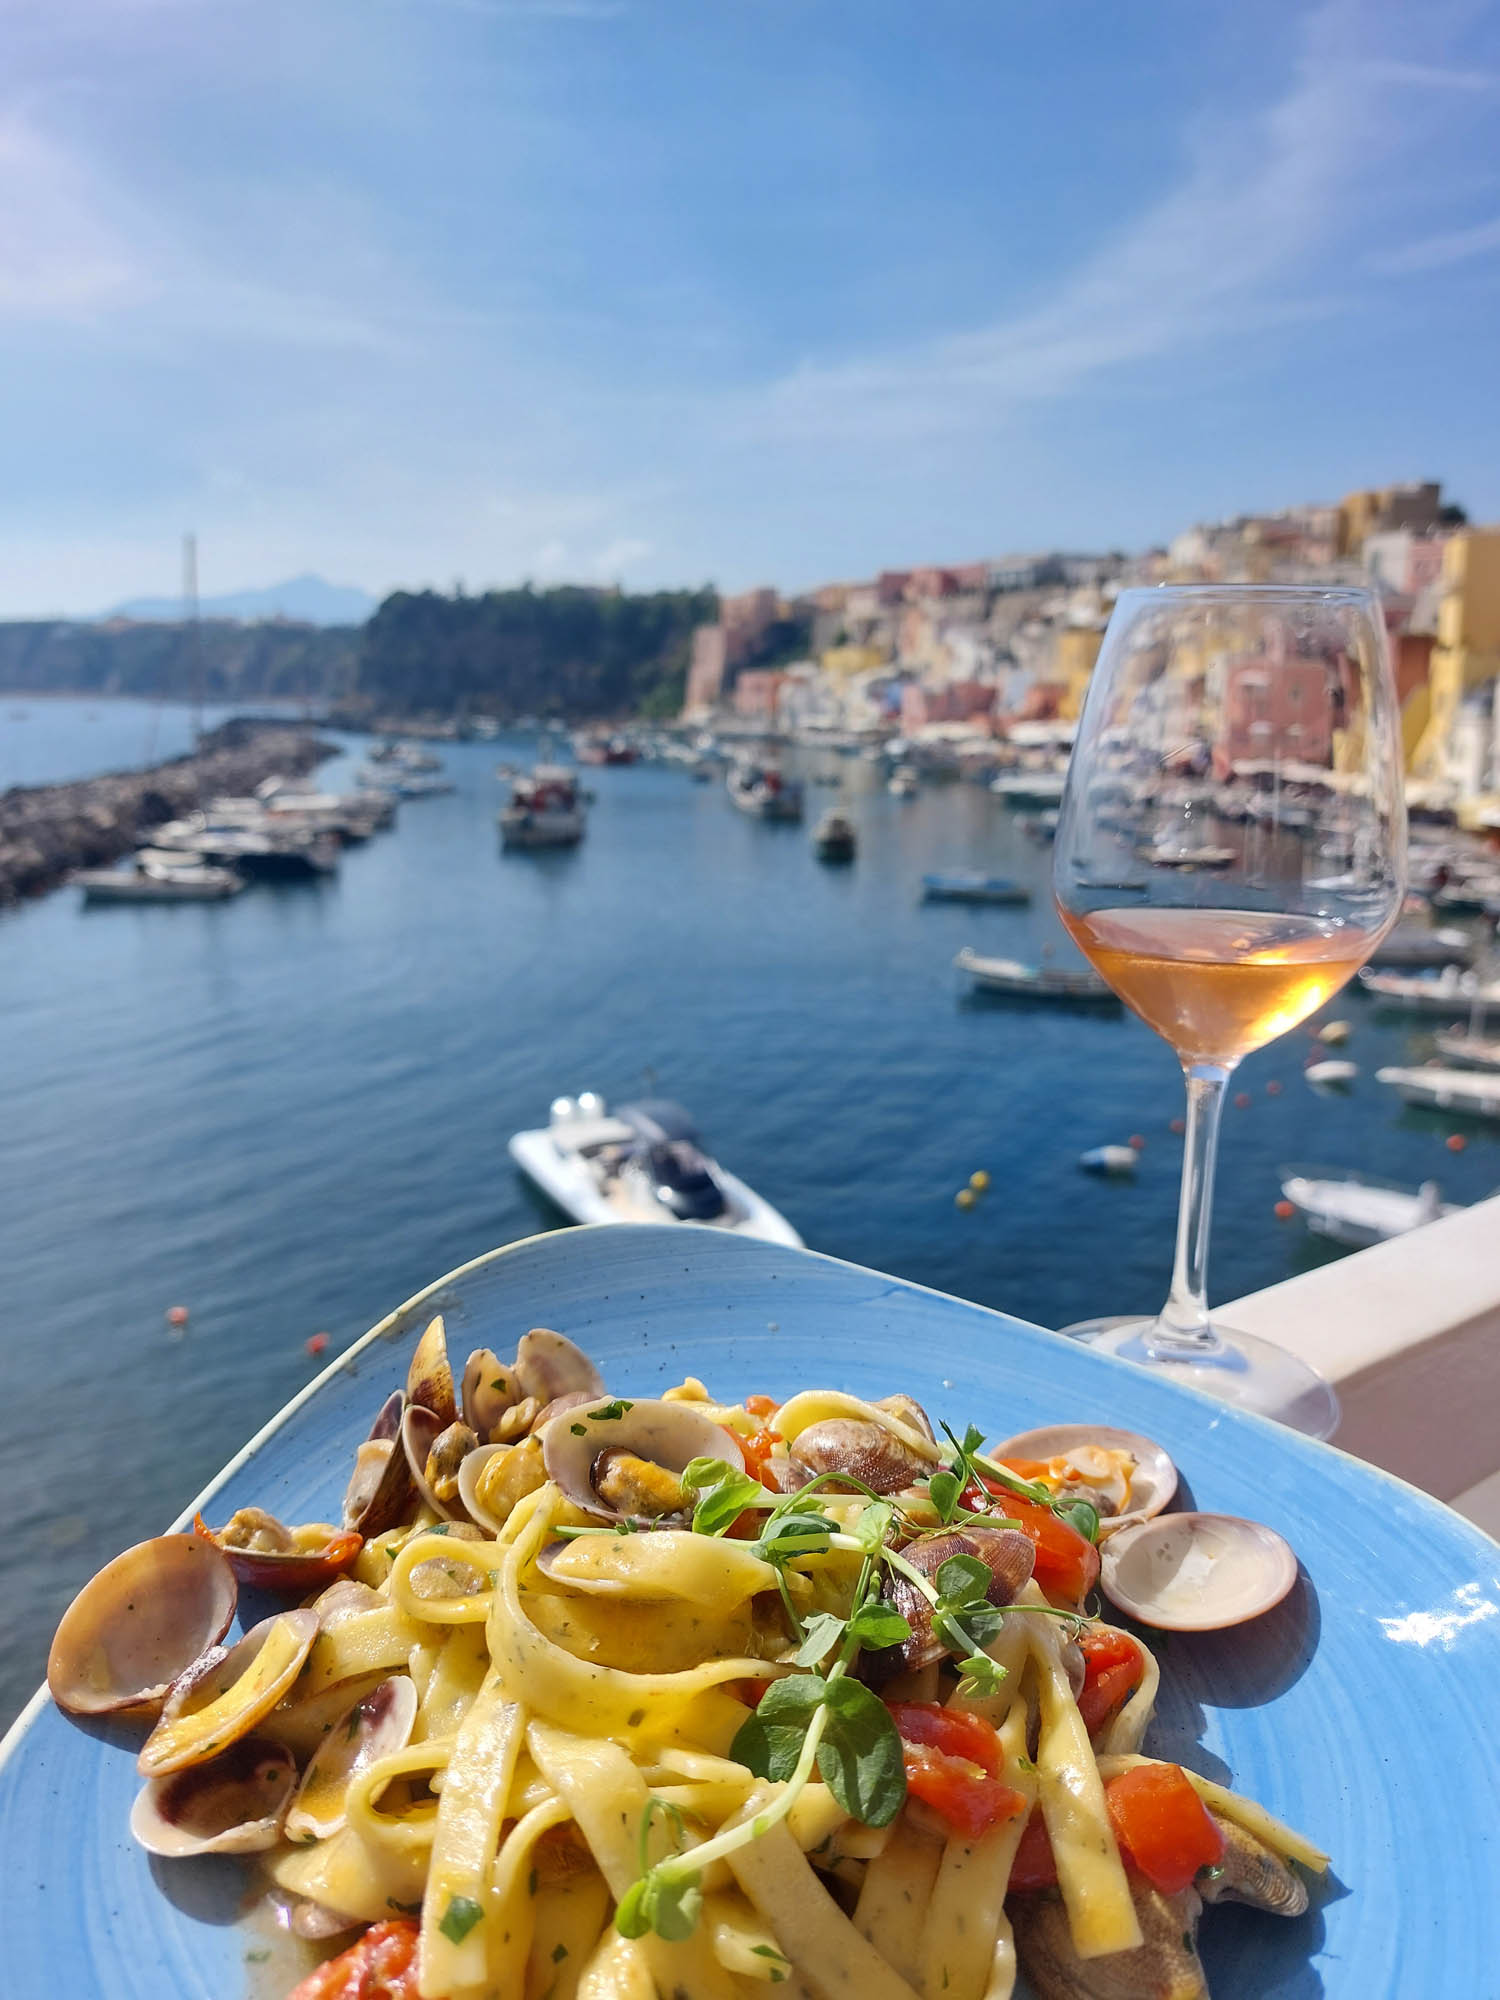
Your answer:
<point x="1409" y="1334"/>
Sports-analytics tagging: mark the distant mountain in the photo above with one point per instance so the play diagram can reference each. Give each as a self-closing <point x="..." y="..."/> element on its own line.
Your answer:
<point x="306" y="598"/>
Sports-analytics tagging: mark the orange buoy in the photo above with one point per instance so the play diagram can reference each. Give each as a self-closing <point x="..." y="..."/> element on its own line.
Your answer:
<point x="177" y="1315"/>
<point x="1455" y="1142"/>
<point x="317" y="1343"/>
<point x="1179" y="1126"/>
<point x="1285" y="1210"/>
<point x="1242" y="1100"/>
<point x="1273" y="1088"/>
<point x="1136" y="1143"/>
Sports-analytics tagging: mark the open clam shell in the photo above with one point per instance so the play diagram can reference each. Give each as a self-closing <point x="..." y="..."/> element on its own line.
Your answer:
<point x="1197" y="1572"/>
<point x="233" y="1805"/>
<point x="139" y="1624"/>
<point x="380" y="1493"/>
<point x="663" y="1435"/>
<point x="420" y="1431"/>
<point x="317" y="1553"/>
<point x="492" y="1479"/>
<point x="375" y="1726"/>
<point x="549" y="1365"/>
<point x="489" y="1389"/>
<point x="1153" y="1480"/>
<point x="429" y="1380"/>
<point x="224" y="1696"/>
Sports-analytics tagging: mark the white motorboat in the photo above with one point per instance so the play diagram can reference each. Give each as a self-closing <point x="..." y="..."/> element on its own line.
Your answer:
<point x="761" y="791"/>
<point x="1111" y="1160"/>
<point x="902" y="784"/>
<point x="545" y="810"/>
<point x="643" y="1164"/>
<point x="159" y="878"/>
<point x="1330" y="1072"/>
<point x="1037" y="789"/>
<point x="1466" y="1090"/>
<point x="1016" y="980"/>
<point x="1348" y="1208"/>
<point x="1452" y="992"/>
<point x="1415" y="945"/>
<point x="1465" y="1049"/>
<point x="1172" y="855"/>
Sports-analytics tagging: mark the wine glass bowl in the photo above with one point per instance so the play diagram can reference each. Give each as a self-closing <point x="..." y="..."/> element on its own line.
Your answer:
<point x="1230" y="849"/>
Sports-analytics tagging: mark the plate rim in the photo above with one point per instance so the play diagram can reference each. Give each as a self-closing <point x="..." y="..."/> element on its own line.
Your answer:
<point x="14" y="1737"/>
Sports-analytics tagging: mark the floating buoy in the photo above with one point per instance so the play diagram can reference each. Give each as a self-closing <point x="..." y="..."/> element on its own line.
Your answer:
<point x="1285" y="1211"/>
<point x="1455" y="1142"/>
<point x="317" y="1343"/>
<point x="1137" y="1142"/>
<point x="1273" y="1088"/>
<point x="1242" y="1100"/>
<point x="964" y="1198"/>
<point x="177" y="1315"/>
<point x="979" y="1180"/>
<point x="1179" y="1126"/>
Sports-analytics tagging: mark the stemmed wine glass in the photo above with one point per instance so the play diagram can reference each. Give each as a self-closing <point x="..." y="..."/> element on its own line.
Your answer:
<point x="1231" y="847"/>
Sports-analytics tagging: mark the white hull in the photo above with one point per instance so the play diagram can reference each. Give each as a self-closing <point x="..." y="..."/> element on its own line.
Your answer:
<point x="1465" y="1090"/>
<point x="1451" y="994"/>
<point x="1010" y="976"/>
<point x="188" y="885"/>
<point x="1357" y="1214"/>
<point x="586" y="1195"/>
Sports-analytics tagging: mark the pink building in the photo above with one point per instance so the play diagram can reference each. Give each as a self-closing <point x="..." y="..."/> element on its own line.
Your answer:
<point x="931" y="582"/>
<point x="1277" y="708"/>
<point x="705" y="681"/>
<point x="890" y="586"/>
<point x="757" y="694"/>
<point x="952" y="701"/>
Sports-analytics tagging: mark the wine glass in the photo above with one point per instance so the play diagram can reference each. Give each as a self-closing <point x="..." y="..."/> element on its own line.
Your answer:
<point x="1231" y="847"/>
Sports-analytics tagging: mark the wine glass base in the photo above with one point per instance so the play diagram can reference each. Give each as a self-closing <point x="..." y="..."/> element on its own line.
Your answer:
<point x="1252" y="1373"/>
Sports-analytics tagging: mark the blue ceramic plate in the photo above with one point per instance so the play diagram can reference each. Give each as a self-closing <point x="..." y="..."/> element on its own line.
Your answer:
<point x="1362" y="1709"/>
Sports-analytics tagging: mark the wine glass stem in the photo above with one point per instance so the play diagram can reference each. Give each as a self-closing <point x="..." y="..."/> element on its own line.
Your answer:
<point x="1182" y="1326"/>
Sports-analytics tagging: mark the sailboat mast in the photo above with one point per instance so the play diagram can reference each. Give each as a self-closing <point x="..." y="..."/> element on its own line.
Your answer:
<point x="191" y="630"/>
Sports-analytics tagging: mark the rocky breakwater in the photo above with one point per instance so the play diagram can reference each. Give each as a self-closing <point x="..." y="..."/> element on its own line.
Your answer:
<point x="46" y="831"/>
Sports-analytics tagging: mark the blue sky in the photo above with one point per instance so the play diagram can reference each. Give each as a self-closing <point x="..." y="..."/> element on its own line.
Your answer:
<point x="660" y="291"/>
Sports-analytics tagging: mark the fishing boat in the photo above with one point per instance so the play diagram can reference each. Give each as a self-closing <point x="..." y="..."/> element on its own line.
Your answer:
<point x="833" y="837"/>
<point x="646" y="1163"/>
<point x="761" y="791"/>
<point x="1414" y="945"/>
<point x="1009" y="976"/>
<point x="1036" y="789"/>
<point x="159" y="879"/>
<point x="1452" y="992"/>
<point x="544" y="810"/>
<point x="1465" y="1049"/>
<point x="1358" y="1211"/>
<point x="969" y="885"/>
<point x="1437" y="1089"/>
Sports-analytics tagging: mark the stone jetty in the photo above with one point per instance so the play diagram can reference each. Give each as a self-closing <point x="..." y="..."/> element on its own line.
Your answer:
<point x="46" y="831"/>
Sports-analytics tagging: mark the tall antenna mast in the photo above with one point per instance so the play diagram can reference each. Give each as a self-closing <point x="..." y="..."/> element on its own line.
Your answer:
<point x="190" y="626"/>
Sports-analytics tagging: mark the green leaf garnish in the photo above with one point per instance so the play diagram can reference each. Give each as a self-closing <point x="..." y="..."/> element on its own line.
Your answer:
<point x="823" y="1633"/>
<point x="860" y="1756"/>
<point x="724" y="1494"/>
<point x="460" y="1917"/>
<point x="876" y="1625"/>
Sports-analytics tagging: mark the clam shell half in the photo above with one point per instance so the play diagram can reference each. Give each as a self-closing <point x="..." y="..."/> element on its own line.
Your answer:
<point x="670" y="1435"/>
<point x="378" y="1724"/>
<point x="224" y="1696"/>
<point x="232" y="1805"/>
<point x="139" y="1624"/>
<point x="1152" y="1483"/>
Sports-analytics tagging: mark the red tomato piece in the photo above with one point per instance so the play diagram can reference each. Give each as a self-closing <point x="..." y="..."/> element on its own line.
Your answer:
<point x="1035" y="1866"/>
<point x="970" y="1801"/>
<point x="1067" y="1565"/>
<point x="382" y="1966"/>
<point x="951" y="1730"/>
<point x="1112" y="1670"/>
<point x="757" y="1450"/>
<point x="762" y="1406"/>
<point x="1162" y="1825"/>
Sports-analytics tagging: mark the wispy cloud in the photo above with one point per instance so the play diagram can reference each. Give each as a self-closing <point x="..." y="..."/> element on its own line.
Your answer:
<point x="1432" y="76"/>
<point x="1432" y="253"/>
<point x="60" y="253"/>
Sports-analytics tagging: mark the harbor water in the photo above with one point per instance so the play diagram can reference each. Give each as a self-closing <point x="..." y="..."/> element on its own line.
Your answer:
<point x="290" y="1111"/>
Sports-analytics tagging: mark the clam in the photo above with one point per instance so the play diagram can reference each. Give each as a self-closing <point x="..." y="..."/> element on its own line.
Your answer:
<point x="1196" y="1572"/>
<point x="224" y="1695"/>
<point x="380" y="1493"/>
<point x="1006" y="1554"/>
<point x="621" y="1460"/>
<point x="1089" y="1460"/>
<point x="1163" y="1966"/>
<point x="548" y="1365"/>
<point x="429" y="1380"/>
<point x="868" y="1452"/>
<point x="492" y="1479"/>
<point x="378" y="1724"/>
<point x="231" y="1805"/>
<point x="268" y="1556"/>
<point x="420" y="1431"/>
<point x="139" y="1624"/>
<point x="489" y="1389"/>
<point x="449" y="1450"/>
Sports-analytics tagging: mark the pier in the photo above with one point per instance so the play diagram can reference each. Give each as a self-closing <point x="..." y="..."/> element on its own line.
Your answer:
<point x="46" y="831"/>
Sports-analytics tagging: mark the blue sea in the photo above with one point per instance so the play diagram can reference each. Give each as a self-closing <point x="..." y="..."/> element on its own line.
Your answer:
<point x="289" y="1112"/>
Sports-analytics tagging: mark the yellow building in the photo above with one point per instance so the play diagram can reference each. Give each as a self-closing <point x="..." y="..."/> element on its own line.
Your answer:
<point x="1413" y="505"/>
<point x="1074" y="652"/>
<point x="1467" y="653"/>
<point x="844" y="662"/>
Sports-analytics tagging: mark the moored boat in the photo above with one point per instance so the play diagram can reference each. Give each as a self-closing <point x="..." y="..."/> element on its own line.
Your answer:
<point x="544" y="810"/>
<point x="834" y="837"/>
<point x="902" y="784"/>
<point x="1037" y="789"/>
<point x="761" y="791"/>
<point x="1414" y="945"/>
<point x="1009" y="976"/>
<point x="646" y="1163"/>
<point x="1452" y="992"/>
<point x="1437" y="1089"/>
<point x="1356" y="1210"/>
<point x="169" y="879"/>
<point x="971" y="885"/>
<point x="1465" y="1049"/>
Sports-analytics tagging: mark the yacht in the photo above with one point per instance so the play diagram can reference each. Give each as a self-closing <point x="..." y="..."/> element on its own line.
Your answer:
<point x="645" y="1163"/>
<point x="544" y="810"/>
